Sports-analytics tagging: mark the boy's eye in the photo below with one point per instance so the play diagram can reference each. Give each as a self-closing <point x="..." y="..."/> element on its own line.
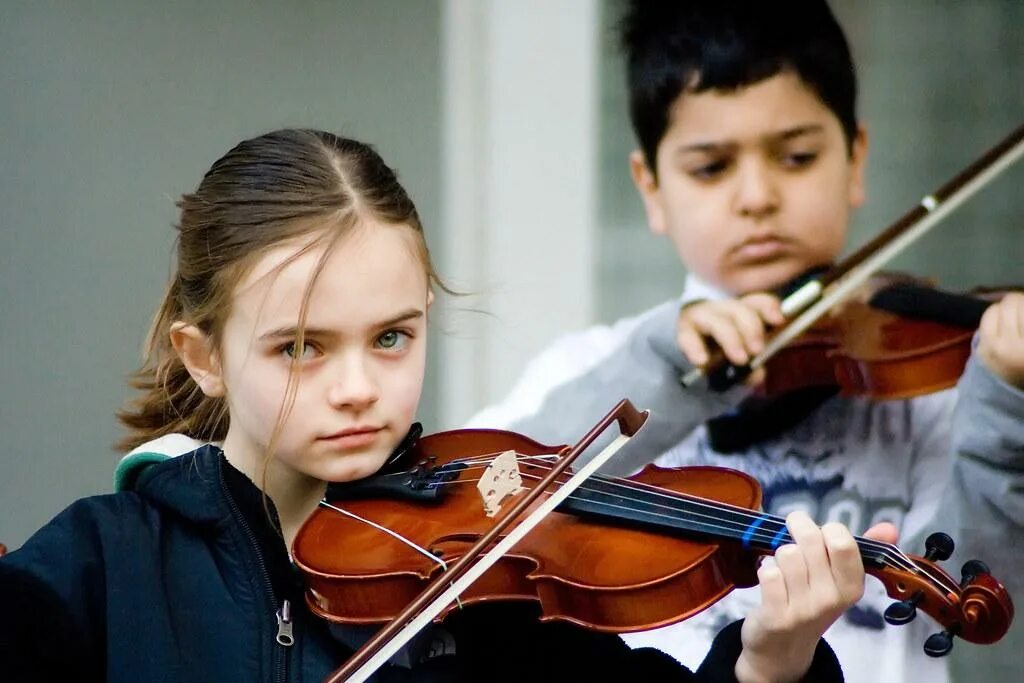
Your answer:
<point x="799" y="159"/>
<point x="393" y="340"/>
<point x="710" y="170"/>
<point x="309" y="351"/>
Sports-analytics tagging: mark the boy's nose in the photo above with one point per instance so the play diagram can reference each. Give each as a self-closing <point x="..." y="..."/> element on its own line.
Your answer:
<point x="756" y="193"/>
<point x="353" y="386"/>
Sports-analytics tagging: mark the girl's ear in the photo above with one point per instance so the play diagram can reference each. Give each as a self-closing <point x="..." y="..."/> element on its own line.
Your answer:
<point x="195" y="350"/>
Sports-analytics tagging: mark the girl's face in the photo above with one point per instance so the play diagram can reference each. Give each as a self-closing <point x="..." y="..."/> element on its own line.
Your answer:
<point x="361" y="365"/>
<point x="754" y="186"/>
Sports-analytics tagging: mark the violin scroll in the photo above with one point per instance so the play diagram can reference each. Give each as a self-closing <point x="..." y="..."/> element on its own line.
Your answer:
<point x="977" y="608"/>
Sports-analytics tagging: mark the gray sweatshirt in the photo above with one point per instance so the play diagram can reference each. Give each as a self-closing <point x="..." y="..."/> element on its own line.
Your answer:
<point x="854" y="461"/>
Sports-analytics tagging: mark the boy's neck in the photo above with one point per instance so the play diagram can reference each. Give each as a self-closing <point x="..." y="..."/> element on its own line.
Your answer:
<point x="696" y="289"/>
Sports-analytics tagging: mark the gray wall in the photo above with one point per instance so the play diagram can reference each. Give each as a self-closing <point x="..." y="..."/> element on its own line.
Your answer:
<point x="111" y="109"/>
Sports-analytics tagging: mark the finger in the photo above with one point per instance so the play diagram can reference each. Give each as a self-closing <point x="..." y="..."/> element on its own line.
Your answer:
<point x="990" y="322"/>
<point x="845" y="561"/>
<point x="773" y="592"/>
<point x="1013" y="318"/>
<point x="885" y="532"/>
<point x="811" y="543"/>
<point x="691" y="343"/>
<point x="749" y="324"/>
<point x="790" y="562"/>
<point x="722" y="330"/>
<point x="767" y="306"/>
<point x="756" y="378"/>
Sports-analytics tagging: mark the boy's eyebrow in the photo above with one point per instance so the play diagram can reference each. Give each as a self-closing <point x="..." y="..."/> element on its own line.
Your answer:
<point x="796" y="132"/>
<point x="291" y="331"/>
<point x="787" y="134"/>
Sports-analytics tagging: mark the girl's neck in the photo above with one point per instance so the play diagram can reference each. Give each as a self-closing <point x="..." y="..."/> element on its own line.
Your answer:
<point x="295" y="495"/>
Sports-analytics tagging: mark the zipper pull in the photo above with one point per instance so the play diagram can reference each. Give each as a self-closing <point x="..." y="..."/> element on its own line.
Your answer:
<point x="284" y="625"/>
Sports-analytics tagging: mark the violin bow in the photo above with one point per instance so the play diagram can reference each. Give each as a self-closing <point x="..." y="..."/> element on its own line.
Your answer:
<point x="448" y="585"/>
<point x="815" y="298"/>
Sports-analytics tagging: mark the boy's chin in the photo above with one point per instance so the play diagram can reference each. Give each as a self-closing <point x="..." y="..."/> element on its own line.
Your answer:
<point x="768" y="277"/>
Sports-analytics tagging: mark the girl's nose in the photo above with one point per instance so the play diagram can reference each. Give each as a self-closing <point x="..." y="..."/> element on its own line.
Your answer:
<point x="354" y="386"/>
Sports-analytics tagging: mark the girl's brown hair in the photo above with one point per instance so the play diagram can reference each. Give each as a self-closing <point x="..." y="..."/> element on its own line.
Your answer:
<point x="265" y="191"/>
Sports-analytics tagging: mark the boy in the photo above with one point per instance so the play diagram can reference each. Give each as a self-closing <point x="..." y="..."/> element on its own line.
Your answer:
<point x="751" y="160"/>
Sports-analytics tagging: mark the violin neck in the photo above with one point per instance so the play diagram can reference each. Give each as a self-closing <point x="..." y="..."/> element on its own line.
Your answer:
<point x="629" y="504"/>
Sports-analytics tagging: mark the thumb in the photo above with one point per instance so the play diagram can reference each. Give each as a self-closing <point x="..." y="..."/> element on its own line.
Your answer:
<point x="884" y="532"/>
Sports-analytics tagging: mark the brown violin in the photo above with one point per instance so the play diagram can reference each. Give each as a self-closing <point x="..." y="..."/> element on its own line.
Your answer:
<point x="907" y="339"/>
<point x="618" y="555"/>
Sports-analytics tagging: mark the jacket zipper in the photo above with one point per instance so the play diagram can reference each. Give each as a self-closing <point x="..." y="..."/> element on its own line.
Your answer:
<point x="283" y="616"/>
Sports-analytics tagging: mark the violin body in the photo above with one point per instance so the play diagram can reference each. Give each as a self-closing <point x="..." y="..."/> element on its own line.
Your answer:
<point x="908" y="340"/>
<point x="578" y="567"/>
<point x="618" y="555"/>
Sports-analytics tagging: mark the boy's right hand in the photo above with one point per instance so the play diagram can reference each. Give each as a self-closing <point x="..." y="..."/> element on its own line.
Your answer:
<point x="737" y="326"/>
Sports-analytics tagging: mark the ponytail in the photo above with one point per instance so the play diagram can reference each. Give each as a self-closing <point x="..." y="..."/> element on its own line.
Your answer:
<point x="171" y="401"/>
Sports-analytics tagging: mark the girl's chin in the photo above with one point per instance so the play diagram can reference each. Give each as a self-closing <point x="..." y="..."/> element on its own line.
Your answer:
<point x="354" y="467"/>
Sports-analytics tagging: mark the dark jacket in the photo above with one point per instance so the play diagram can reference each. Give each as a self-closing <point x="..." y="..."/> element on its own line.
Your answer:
<point x="183" y="578"/>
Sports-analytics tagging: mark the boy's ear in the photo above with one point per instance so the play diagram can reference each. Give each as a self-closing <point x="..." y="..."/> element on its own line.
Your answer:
<point x="647" y="185"/>
<point x="858" y="162"/>
<point x="195" y="350"/>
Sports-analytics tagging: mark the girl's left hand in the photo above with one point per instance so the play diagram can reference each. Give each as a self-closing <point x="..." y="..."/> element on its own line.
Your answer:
<point x="810" y="584"/>
<point x="1001" y="339"/>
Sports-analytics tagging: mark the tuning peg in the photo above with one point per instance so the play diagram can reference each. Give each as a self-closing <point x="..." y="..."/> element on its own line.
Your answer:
<point x="939" y="644"/>
<point x="971" y="570"/>
<point x="903" y="611"/>
<point x="938" y="546"/>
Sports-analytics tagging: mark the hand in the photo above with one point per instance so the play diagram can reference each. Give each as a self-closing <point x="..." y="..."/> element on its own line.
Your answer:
<point x="1001" y="339"/>
<point x="811" y="583"/>
<point x="737" y="326"/>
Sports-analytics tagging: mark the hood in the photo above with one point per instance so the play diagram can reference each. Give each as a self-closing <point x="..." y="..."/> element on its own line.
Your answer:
<point x="189" y="485"/>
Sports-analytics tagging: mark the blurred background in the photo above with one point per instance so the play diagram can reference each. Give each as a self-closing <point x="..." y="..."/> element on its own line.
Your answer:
<point x="506" y="120"/>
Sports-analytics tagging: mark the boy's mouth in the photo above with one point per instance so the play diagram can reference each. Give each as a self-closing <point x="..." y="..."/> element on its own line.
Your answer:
<point x="759" y="249"/>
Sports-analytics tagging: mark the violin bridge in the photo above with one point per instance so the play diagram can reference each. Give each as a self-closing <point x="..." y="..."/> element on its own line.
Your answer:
<point x="500" y="480"/>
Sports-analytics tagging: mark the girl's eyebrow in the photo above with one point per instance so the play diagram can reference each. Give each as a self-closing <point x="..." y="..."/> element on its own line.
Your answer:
<point x="292" y="331"/>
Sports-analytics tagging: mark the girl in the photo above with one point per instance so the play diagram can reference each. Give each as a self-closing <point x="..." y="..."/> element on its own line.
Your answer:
<point x="289" y="352"/>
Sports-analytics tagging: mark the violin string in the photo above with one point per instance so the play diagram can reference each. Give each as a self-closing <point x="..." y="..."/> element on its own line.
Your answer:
<point x="717" y="505"/>
<point x="774" y="524"/>
<point x="394" y="534"/>
<point x="890" y="555"/>
<point x="887" y="550"/>
<point x="771" y="520"/>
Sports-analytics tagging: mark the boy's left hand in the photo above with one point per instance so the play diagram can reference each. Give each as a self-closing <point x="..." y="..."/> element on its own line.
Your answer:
<point x="811" y="583"/>
<point x="1001" y="339"/>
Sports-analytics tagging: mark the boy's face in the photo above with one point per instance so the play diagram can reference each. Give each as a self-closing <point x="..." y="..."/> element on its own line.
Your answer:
<point x="754" y="186"/>
<point x="361" y="366"/>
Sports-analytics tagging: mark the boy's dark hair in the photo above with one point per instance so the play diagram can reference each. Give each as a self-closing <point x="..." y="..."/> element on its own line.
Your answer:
<point x="672" y="46"/>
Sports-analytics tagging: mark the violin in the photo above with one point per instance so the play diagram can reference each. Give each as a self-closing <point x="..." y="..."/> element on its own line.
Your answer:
<point x="616" y="555"/>
<point x="907" y="339"/>
<point x="862" y="351"/>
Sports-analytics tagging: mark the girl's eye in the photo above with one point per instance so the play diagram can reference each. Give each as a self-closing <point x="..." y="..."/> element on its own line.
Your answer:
<point x="393" y="340"/>
<point x="309" y="351"/>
